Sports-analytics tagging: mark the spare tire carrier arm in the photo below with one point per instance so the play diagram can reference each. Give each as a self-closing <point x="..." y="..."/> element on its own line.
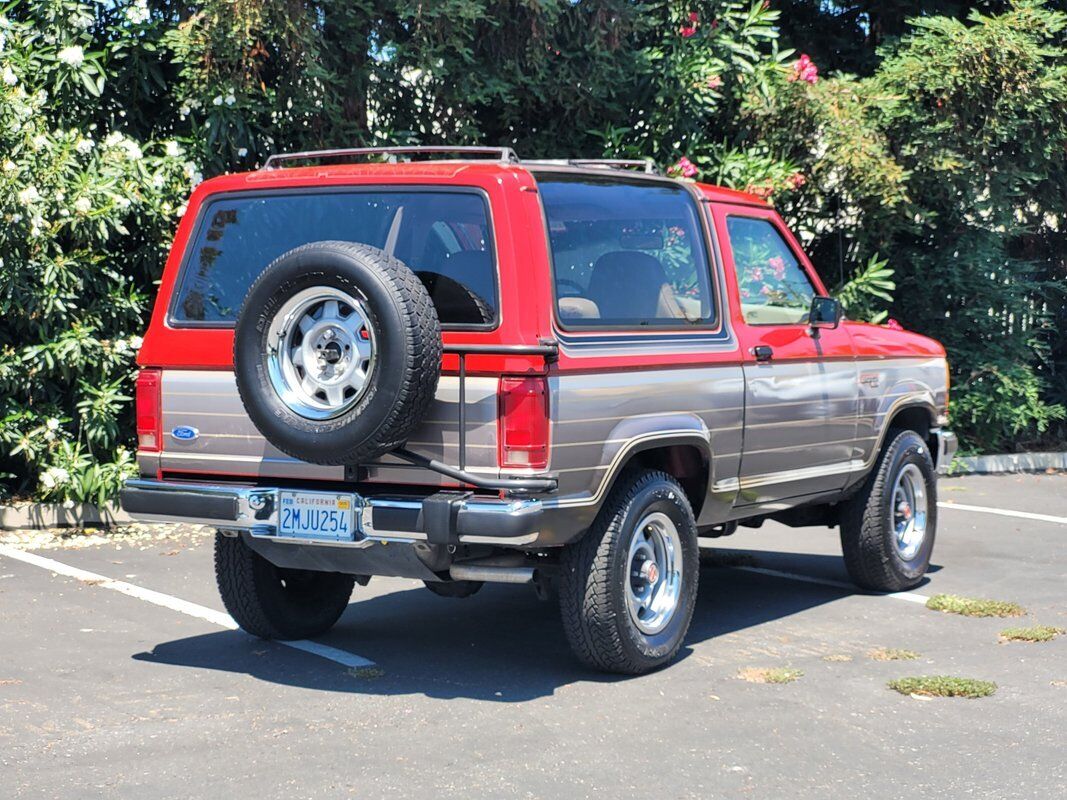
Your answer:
<point x="550" y="352"/>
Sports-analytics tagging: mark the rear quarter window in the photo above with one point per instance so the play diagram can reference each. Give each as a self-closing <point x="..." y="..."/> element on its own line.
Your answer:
<point x="626" y="253"/>
<point x="443" y="236"/>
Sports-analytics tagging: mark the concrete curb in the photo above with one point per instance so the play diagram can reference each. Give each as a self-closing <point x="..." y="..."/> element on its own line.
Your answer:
<point x="33" y="516"/>
<point x="1008" y="463"/>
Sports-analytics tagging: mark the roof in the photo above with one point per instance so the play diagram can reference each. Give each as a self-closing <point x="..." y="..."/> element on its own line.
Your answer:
<point x="443" y="169"/>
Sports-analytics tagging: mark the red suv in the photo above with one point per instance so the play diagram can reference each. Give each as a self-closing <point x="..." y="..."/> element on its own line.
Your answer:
<point x="453" y="365"/>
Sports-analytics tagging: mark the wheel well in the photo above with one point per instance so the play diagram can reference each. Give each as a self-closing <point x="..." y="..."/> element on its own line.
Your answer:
<point x="918" y="419"/>
<point x="686" y="463"/>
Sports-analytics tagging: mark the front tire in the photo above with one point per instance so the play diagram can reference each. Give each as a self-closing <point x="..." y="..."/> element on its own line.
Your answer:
<point x="628" y="587"/>
<point x="888" y="527"/>
<point x="273" y="602"/>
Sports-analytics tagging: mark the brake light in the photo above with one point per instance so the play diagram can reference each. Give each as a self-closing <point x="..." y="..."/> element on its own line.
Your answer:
<point x="523" y="422"/>
<point x="149" y="412"/>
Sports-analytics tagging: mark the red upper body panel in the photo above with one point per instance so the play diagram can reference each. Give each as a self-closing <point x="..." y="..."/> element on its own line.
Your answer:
<point x="526" y="294"/>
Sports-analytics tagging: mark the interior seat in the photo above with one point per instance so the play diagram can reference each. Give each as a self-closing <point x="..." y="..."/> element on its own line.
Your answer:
<point x="632" y="285"/>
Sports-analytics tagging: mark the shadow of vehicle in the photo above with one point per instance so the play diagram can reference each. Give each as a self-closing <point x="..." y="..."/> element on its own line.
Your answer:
<point x="502" y="644"/>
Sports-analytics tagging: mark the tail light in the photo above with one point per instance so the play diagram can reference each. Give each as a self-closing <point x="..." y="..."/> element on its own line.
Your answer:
<point x="149" y="411"/>
<point x="523" y="422"/>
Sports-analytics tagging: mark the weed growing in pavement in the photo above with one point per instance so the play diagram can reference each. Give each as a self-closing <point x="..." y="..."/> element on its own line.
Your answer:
<point x="943" y="686"/>
<point x="769" y="674"/>
<point x="892" y="654"/>
<point x="974" y="606"/>
<point x="1035" y="633"/>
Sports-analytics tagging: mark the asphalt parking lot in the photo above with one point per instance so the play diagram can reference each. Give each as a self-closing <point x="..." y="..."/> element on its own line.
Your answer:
<point x="133" y="694"/>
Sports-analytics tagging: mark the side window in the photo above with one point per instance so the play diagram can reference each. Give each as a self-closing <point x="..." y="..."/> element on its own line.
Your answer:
<point x="626" y="253"/>
<point x="774" y="288"/>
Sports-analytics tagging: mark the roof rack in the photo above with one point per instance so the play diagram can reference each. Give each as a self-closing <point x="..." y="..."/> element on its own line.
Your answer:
<point x="503" y="154"/>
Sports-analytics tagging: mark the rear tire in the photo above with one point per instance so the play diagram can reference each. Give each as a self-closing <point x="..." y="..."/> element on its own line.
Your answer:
<point x="881" y="552"/>
<point x="612" y="615"/>
<point x="276" y="603"/>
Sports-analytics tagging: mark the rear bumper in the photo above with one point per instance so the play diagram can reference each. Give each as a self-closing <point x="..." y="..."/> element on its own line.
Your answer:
<point x="440" y="518"/>
<point x="946" y="449"/>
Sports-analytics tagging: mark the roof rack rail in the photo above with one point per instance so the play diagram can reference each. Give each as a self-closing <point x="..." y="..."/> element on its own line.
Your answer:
<point x="503" y="154"/>
<point x="647" y="165"/>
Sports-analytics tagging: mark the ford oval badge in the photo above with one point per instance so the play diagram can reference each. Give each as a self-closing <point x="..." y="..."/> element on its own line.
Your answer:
<point x="183" y="433"/>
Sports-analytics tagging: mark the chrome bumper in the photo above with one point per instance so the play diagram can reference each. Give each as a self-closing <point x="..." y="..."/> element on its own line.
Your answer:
<point x="440" y="518"/>
<point x="946" y="449"/>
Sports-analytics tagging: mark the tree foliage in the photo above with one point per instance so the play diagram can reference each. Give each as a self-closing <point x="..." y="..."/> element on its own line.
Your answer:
<point x="917" y="148"/>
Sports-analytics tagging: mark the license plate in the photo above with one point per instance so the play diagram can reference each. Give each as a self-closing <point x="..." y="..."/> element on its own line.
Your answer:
<point x="318" y="515"/>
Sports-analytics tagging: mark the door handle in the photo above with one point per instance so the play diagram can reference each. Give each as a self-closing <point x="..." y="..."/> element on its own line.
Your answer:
<point x="763" y="352"/>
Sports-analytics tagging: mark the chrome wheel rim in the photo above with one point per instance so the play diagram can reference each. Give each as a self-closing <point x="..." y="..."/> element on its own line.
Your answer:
<point x="321" y="352"/>
<point x="910" y="508"/>
<point x="654" y="573"/>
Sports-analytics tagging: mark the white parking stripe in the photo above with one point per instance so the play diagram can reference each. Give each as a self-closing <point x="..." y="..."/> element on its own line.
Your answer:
<point x="219" y="618"/>
<point x="911" y="597"/>
<point x="1003" y="512"/>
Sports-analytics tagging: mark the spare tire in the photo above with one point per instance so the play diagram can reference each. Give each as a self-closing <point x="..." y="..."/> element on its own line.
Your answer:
<point x="337" y="352"/>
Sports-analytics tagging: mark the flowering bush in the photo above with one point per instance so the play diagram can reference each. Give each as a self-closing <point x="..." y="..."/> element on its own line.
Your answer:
<point x="85" y="211"/>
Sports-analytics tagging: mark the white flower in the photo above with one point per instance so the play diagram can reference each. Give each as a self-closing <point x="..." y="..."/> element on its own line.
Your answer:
<point x="29" y="195"/>
<point x="180" y="210"/>
<point x="52" y="424"/>
<point x="217" y="101"/>
<point x="84" y="145"/>
<point x="184" y="111"/>
<point x="138" y="12"/>
<point x="72" y="55"/>
<point x="54" y="476"/>
<point x="113" y="139"/>
<point x="230" y="99"/>
<point x="40" y="141"/>
<point x="122" y="202"/>
<point x="136" y="342"/>
<point x="10" y="166"/>
<point x="82" y="205"/>
<point x="242" y="152"/>
<point x="120" y="346"/>
<point x="133" y="150"/>
<point x="3" y="41"/>
<point x="172" y="148"/>
<point x="9" y="76"/>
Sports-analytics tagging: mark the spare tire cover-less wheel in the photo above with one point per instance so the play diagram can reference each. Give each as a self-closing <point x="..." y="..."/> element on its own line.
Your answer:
<point x="337" y="352"/>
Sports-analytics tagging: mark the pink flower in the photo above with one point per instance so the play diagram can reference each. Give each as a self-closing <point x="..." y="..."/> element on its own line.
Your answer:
<point x="796" y="180"/>
<point x="766" y="290"/>
<point x="757" y="274"/>
<point x="746" y="293"/>
<point x="688" y="31"/>
<point x="685" y="168"/>
<point x="804" y="69"/>
<point x="715" y="82"/>
<point x="761" y="190"/>
<point x="777" y="263"/>
<point x="893" y="325"/>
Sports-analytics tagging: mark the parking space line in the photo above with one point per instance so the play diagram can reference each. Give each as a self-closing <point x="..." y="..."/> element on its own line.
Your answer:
<point x="911" y="597"/>
<point x="1003" y="512"/>
<point x="220" y="618"/>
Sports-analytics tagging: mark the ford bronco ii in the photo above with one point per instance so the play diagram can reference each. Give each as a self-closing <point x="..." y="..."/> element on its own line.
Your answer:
<point x="456" y="366"/>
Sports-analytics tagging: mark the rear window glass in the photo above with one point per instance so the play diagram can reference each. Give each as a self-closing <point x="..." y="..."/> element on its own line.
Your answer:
<point x="626" y="253"/>
<point x="444" y="237"/>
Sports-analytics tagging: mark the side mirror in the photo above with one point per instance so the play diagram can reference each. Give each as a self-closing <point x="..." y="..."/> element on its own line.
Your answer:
<point x="825" y="313"/>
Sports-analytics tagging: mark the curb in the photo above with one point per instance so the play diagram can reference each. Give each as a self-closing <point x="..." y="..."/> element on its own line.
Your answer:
<point x="1008" y="463"/>
<point x="34" y="516"/>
